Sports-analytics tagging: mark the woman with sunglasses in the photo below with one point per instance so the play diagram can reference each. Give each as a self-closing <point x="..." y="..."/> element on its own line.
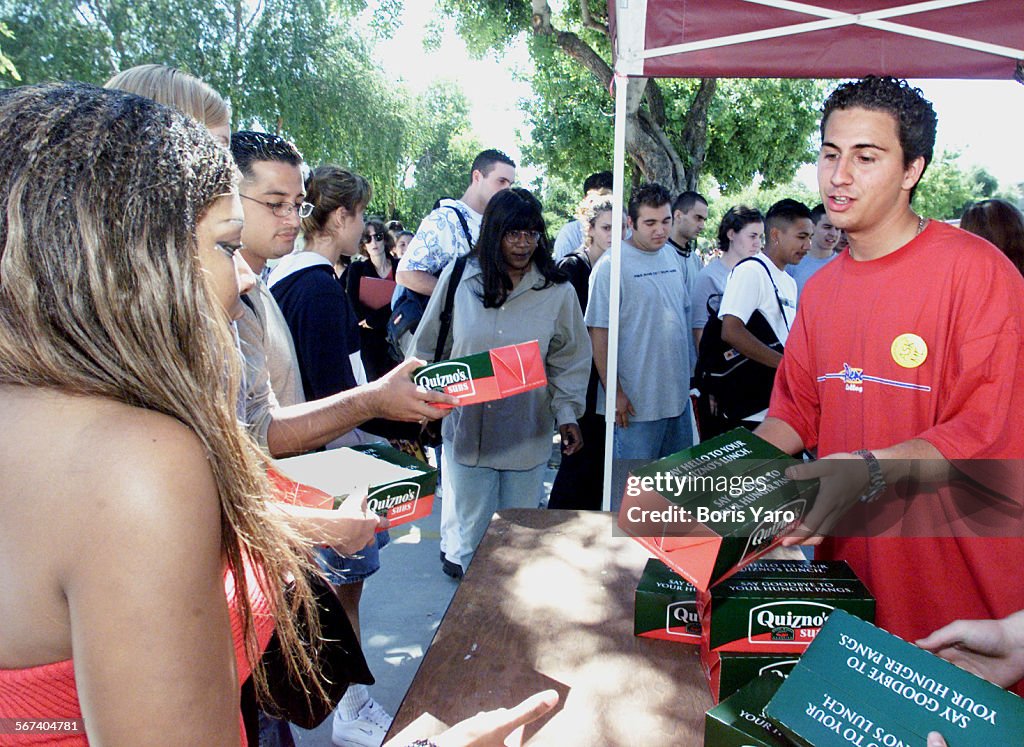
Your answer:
<point x="495" y="453"/>
<point x="369" y="284"/>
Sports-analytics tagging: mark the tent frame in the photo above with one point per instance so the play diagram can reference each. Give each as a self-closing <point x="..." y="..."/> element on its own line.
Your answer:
<point x="630" y="28"/>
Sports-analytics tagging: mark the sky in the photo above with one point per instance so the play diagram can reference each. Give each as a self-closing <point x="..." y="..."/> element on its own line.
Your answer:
<point x="980" y="119"/>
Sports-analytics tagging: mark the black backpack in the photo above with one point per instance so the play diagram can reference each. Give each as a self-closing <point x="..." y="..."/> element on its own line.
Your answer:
<point x="408" y="307"/>
<point x="741" y="386"/>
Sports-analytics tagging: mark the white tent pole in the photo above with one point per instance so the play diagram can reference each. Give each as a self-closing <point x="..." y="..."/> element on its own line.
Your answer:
<point x="612" y="375"/>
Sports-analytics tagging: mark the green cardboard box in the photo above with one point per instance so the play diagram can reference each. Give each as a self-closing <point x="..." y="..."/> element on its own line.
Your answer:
<point x="715" y="507"/>
<point x="397" y="485"/>
<point x="739" y="720"/>
<point x="857" y="684"/>
<point x="728" y="671"/>
<point x="482" y="377"/>
<point x="666" y="606"/>
<point x="779" y="607"/>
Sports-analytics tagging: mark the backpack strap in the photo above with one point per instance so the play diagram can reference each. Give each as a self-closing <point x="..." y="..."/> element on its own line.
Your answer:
<point x="464" y="224"/>
<point x="449" y="306"/>
<point x="771" y="280"/>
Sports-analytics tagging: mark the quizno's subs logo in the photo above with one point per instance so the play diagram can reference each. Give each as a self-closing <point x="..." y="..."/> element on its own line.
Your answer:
<point x="787" y="622"/>
<point x="681" y="618"/>
<point x="397" y="499"/>
<point x="785" y="519"/>
<point x="452" y="378"/>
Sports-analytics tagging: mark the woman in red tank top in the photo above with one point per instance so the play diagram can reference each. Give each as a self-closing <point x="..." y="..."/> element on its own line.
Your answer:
<point x="142" y="565"/>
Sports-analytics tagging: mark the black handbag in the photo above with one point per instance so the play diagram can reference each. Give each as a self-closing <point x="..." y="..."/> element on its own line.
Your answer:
<point x="339" y="657"/>
<point x="740" y="385"/>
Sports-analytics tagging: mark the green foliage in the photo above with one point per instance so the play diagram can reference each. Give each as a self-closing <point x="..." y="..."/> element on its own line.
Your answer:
<point x="946" y="189"/>
<point x="300" y="68"/>
<point x="444" y="149"/>
<point x="757" y="194"/>
<point x="756" y="127"/>
<point x="760" y="127"/>
<point x="6" y="66"/>
<point x="559" y="197"/>
<point x="487" y="25"/>
<point x="570" y="117"/>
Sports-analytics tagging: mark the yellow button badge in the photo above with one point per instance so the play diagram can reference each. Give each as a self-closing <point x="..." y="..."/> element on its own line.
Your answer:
<point x="909" y="350"/>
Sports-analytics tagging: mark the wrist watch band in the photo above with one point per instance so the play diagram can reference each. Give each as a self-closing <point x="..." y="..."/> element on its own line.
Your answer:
<point x="876" y="480"/>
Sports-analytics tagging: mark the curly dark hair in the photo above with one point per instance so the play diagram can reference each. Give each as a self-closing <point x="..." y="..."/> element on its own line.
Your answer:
<point x="513" y="209"/>
<point x="378" y="226"/>
<point x="651" y="194"/>
<point x="915" y="118"/>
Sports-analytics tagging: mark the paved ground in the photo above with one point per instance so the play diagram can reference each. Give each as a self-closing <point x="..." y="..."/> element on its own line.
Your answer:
<point x="402" y="607"/>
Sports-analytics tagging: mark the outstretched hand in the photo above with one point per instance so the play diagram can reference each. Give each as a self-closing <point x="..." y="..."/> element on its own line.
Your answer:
<point x="843" y="480"/>
<point x="993" y="649"/>
<point x="492" y="728"/>
<point x="399" y="398"/>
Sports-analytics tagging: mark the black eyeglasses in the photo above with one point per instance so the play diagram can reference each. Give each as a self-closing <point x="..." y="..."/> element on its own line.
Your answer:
<point x="523" y="237"/>
<point x="367" y="238"/>
<point x="284" y="209"/>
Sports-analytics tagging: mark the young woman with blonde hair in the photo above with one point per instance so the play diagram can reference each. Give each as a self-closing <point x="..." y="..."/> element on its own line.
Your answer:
<point x="173" y="87"/>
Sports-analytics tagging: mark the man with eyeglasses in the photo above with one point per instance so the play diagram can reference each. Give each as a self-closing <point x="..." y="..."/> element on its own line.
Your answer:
<point x="276" y="410"/>
<point x="273" y="202"/>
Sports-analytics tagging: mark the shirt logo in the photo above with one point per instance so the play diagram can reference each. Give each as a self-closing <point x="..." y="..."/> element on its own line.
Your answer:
<point x="854" y="380"/>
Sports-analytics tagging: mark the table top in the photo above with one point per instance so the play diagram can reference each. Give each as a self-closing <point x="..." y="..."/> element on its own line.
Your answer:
<point x="548" y="603"/>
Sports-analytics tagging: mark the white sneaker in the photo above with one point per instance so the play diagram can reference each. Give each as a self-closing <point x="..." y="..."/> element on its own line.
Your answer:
<point x="368" y="729"/>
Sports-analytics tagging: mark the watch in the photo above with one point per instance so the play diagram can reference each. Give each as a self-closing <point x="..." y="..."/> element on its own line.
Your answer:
<point x="876" y="480"/>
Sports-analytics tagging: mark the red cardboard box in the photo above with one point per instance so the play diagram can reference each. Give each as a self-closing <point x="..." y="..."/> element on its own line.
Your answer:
<point x="483" y="377"/>
<point x="397" y="486"/>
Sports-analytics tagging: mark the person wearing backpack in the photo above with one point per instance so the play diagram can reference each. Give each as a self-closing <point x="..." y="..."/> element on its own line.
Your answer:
<point x="760" y="285"/>
<point x="448" y="231"/>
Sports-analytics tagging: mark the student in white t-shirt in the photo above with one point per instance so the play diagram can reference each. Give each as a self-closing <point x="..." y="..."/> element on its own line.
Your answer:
<point x="761" y="284"/>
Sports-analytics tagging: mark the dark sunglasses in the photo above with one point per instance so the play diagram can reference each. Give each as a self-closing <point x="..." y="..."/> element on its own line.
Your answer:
<point x="372" y="237"/>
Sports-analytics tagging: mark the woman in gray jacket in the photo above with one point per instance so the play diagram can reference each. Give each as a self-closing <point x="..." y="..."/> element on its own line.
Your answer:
<point x="495" y="453"/>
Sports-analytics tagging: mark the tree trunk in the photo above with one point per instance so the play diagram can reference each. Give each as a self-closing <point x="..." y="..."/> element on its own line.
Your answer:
<point x="647" y="145"/>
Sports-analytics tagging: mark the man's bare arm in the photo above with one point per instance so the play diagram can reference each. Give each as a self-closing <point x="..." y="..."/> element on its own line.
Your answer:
<point x="735" y="332"/>
<point x="780" y="434"/>
<point x="299" y="428"/>
<point x="623" y="406"/>
<point x="416" y="280"/>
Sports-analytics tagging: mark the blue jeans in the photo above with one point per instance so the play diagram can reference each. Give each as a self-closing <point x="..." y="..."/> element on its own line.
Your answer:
<point x="349" y="569"/>
<point x="654" y="439"/>
<point x="477" y="492"/>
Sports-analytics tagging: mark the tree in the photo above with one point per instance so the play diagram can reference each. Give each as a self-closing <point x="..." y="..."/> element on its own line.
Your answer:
<point x="6" y="66"/>
<point x="297" y="68"/>
<point x="946" y="190"/>
<point x="675" y="129"/>
<point x="442" y="149"/>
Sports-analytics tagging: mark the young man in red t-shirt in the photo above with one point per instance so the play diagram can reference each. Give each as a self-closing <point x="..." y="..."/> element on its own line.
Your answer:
<point x="904" y="373"/>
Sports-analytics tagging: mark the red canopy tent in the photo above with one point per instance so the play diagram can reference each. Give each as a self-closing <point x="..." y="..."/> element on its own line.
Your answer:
<point x="823" y="39"/>
<point x="786" y="39"/>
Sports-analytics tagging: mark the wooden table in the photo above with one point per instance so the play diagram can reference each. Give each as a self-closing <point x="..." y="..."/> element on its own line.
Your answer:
<point x="548" y="603"/>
